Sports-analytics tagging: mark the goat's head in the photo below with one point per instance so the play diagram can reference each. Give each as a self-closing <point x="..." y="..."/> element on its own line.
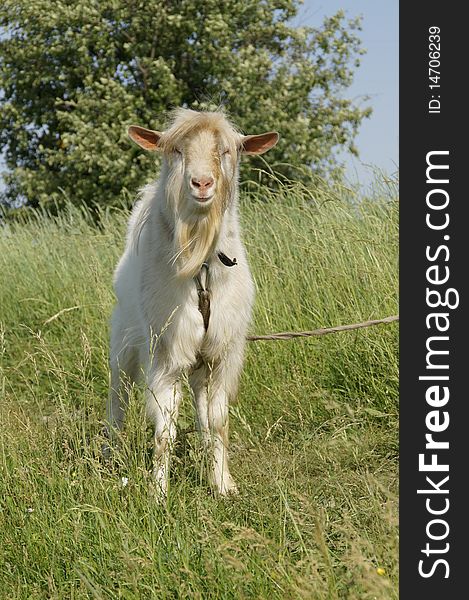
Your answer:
<point x="201" y="152"/>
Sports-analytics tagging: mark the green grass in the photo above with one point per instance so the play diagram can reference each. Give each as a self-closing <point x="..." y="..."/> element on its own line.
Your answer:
<point x="313" y="436"/>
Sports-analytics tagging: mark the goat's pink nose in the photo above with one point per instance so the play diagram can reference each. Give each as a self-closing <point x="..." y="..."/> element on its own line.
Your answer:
<point x="202" y="183"/>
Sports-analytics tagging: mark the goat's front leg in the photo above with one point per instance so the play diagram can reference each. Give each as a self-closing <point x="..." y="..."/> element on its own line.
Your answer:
<point x="163" y="399"/>
<point x="211" y="401"/>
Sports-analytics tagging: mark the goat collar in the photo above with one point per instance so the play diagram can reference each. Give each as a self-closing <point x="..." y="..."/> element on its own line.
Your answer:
<point x="203" y="289"/>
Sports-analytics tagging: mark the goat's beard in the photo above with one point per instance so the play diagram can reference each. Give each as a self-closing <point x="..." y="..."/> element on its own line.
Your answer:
<point x="196" y="228"/>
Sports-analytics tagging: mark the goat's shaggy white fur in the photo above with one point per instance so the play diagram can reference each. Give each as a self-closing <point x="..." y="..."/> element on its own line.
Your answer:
<point x="181" y="221"/>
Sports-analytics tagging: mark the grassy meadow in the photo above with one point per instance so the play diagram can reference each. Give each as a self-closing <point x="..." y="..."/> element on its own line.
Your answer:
<point x="314" y="434"/>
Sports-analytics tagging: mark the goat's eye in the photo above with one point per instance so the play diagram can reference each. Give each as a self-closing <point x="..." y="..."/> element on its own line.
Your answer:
<point x="225" y="152"/>
<point x="177" y="152"/>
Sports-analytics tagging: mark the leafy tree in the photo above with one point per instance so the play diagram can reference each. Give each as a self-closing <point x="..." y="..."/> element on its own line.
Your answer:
<point x="75" y="73"/>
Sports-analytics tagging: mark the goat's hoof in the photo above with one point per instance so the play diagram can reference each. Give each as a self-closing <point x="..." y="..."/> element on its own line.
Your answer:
<point x="106" y="452"/>
<point x="157" y="494"/>
<point x="227" y="487"/>
<point x="230" y="491"/>
<point x="160" y="484"/>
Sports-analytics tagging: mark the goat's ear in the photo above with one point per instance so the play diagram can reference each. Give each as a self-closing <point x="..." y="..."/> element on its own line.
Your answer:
<point x="258" y="144"/>
<point x="145" y="138"/>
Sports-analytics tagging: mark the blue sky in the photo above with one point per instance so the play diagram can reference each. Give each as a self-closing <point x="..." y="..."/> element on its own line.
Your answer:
<point x="377" y="77"/>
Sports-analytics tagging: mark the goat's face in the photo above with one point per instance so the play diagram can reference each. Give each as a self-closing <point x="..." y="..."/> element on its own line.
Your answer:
<point x="204" y="165"/>
<point x="201" y="152"/>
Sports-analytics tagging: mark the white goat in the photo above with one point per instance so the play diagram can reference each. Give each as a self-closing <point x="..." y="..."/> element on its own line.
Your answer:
<point x="183" y="286"/>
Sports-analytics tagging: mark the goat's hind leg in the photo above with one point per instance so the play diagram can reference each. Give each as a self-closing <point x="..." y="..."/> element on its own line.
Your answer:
<point x="124" y="367"/>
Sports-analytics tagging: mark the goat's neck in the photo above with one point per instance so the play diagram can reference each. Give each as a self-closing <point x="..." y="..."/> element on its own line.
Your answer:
<point x="228" y="236"/>
<point x="229" y="231"/>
